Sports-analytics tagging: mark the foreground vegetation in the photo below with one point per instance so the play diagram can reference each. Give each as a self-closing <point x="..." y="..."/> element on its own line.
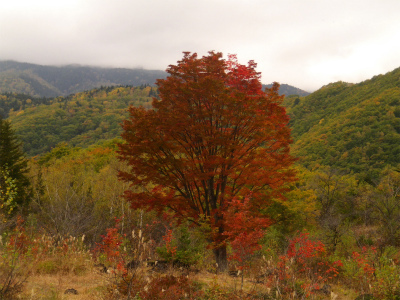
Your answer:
<point x="332" y="234"/>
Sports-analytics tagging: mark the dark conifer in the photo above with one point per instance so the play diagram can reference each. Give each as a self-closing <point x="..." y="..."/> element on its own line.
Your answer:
<point x="13" y="159"/>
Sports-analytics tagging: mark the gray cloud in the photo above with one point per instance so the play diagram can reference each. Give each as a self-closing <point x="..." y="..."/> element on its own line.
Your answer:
<point x="305" y="43"/>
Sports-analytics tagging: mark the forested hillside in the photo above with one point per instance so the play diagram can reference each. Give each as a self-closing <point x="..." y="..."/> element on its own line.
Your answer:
<point x="16" y="102"/>
<point x="355" y="127"/>
<point x="54" y="81"/>
<point x="349" y="126"/>
<point x="80" y="120"/>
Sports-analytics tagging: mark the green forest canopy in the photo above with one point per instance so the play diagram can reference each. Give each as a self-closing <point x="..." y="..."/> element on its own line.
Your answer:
<point x="355" y="127"/>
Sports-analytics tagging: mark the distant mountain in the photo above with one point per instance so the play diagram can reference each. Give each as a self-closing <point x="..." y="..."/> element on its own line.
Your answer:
<point x="53" y="81"/>
<point x="288" y="90"/>
<point x="349" y="126"/>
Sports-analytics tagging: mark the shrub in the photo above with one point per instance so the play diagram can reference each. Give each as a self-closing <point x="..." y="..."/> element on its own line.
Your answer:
<point x="304" y="270"/>
<point x="179" y="250"/>
<point x="110" y="250"/>
<point x="359" y="269"/>
<point x="16" y="259"/>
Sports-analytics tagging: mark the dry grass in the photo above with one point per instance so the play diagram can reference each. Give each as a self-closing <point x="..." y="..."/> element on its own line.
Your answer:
<point x="233" y="284"/>
<point x="53" y="286"/>
<point x="93" y="284"/>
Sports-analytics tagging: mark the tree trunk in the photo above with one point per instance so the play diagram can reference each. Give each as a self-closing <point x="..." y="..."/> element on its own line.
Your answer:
<point x="221" y="259"/>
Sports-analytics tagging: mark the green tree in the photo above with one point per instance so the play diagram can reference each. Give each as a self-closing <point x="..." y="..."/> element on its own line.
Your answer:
<point x="14" y="164"/>
<point x="383" y="203"/>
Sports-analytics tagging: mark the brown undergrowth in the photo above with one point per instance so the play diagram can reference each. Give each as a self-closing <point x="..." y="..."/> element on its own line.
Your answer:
<point x="170" y="284"/>
<point x="44" y="267"/>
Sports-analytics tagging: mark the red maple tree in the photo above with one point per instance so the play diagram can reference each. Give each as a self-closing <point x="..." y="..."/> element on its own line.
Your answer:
<point x="212" y="136"/>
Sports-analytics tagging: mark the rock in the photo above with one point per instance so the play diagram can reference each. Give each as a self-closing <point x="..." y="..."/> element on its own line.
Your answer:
<point x="327" y="289"/>
<point x="234" y="273"/>
<point x="102" y="268"/>
<point x="71" y="291"/>
<point x="158" y="265"/>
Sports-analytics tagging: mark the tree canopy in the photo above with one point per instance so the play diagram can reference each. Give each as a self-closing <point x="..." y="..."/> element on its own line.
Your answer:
<point x="352" y="127"/>
<point x="212" y="137"/>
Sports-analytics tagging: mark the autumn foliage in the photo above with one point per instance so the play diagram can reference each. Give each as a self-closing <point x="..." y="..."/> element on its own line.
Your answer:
<point x="111" y="247"/>
<point x="244" y="229"/>
<point x="212" y="137"/>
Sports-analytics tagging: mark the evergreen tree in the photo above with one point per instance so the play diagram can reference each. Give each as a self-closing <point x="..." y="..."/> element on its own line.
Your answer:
<point x="13" y="163"/>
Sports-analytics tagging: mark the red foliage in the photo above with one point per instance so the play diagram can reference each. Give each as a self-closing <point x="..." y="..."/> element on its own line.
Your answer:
<point x="19" y="241"/>
<point x="244" y="229"/>
<point x="111" y="247"/>
<point x="365" y="260"/>
<point x="213" y="136"/>
<point x="309" y="258"/>
<point x="168" y="238"/>
<point x="171" y="288"/>
<point x="302" y="248"/>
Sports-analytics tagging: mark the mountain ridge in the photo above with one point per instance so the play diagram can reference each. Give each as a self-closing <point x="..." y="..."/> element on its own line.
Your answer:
<point x="53" y="81"/>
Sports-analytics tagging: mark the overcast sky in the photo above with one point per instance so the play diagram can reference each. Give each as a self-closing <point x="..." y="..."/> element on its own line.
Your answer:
<point x="305" y="43"/>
